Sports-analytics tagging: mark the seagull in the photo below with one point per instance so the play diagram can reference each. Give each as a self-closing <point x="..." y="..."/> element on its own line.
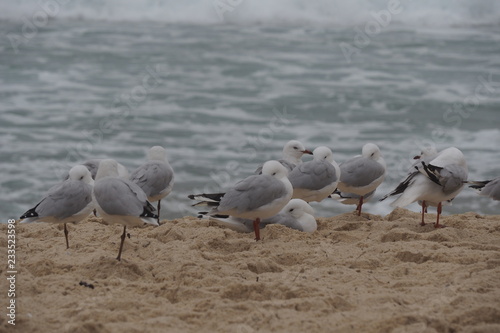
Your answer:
<point x="66" y="202"/>
<point x="317" y="179"/>
<point x="490" y="188"/>
<point x="436" y="181"/>
<point x="120" y="201"/>
<point x="427" y="154"/>
<point x="292" y="155"/>
<point x="155" y="177"/>
<point x="256" y="197"/>
<point x="297" y="214"/>
<point x="362" y="174"/>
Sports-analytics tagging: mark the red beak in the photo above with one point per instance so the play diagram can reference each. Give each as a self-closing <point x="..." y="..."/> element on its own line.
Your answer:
<point x="417" y="157"/>
<point x="307" y="152"/>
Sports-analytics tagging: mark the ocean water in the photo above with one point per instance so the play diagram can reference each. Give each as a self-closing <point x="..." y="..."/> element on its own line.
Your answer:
<point x="222" y="85"/>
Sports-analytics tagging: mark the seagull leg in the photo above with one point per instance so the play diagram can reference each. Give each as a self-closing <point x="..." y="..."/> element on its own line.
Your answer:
<point x="159" y="212"/>
<point x="95" y="213"/>
<point x="121" y="244"/>
<point x="439" y="209"/>
<point x="66" y="235"/>
<point x="424" y="210"/>
<point x="256" y="228"/>
<point x="360" y="204"/>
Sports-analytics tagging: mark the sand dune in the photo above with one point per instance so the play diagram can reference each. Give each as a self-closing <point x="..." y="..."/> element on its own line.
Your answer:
<point x="386" y="274"/>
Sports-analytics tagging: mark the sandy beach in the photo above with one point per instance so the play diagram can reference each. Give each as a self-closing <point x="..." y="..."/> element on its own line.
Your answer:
<point x="382" y="274"/>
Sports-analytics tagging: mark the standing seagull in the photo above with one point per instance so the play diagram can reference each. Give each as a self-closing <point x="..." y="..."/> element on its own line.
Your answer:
<point x="256" y="197"/>
<point x="362" y="174"/>
<point x="67" y="202"/>
<point x="490" y="188"/>
<point x="155" y="177"/>
<point x="119" y="201"/>
<point x="426" y="155"/>
<point x="297" y="214"/>
<point x="434" y="182"/>
<point x="292" y="155"/>
<point x="317" y="179"/>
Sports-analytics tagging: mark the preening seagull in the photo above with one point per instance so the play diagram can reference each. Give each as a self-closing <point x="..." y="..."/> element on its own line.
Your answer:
<point x="155" y="177"/>
<point x="120" y="201"/>
<point x="67" y="202"/>
<point x="436" y="181"/>
<point x="256" y="197"/>
<point x="362" y="174"/>
<point x="426" y="155"/>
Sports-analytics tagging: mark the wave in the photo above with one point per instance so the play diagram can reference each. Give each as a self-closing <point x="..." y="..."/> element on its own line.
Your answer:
<point x="426" y="13"/>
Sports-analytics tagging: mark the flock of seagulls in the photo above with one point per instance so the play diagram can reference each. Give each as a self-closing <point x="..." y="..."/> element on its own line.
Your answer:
<point x="278" y="193"/>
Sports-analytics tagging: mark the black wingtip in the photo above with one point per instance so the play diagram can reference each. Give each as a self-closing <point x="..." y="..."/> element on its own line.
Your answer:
<point x="148" y="213"/>
<point x="401" y="186"/>
<point x="29" y="213"/>
<point x="478" y="185"/>
<point x="429" y="169"/>
<point x="220" y="216"/>
<point x="211" y="196"/>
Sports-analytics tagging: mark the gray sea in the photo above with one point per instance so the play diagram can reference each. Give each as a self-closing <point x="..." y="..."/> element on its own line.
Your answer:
<point x="222" y="85"/>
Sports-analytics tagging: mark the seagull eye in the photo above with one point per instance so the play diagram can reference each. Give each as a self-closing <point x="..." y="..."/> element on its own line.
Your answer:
<point x="291" y="210"/>
<point x="295" y="148"/>
<point x="274" y="173"/>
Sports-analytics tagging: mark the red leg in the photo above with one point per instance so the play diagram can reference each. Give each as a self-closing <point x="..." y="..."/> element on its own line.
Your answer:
<point x="256" y="228"/>
<point x="424" y="210"/>
<point x="121" y="244"/>
<point x="360" y="204"/>
<point x="439" y="209"/>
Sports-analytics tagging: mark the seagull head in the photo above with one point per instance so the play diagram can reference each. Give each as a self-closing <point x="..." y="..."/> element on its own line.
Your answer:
<point x="323" y="153"/>
<point x="426" y="152"/>
<point x="157" y="153"/>
<point x="370" y="150"/>
<point x="81" y="173"/>
<point x="295" y="149"/>
<point x="298" y="207"/>
<point x="275" y="169"/>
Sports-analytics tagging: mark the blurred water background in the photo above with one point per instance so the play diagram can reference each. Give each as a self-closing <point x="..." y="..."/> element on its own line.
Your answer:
<point x="223" y="84"/>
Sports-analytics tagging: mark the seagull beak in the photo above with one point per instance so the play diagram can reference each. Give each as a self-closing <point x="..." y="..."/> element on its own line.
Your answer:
<point x="417" y="157"/>
<point x="307" y="152"/>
